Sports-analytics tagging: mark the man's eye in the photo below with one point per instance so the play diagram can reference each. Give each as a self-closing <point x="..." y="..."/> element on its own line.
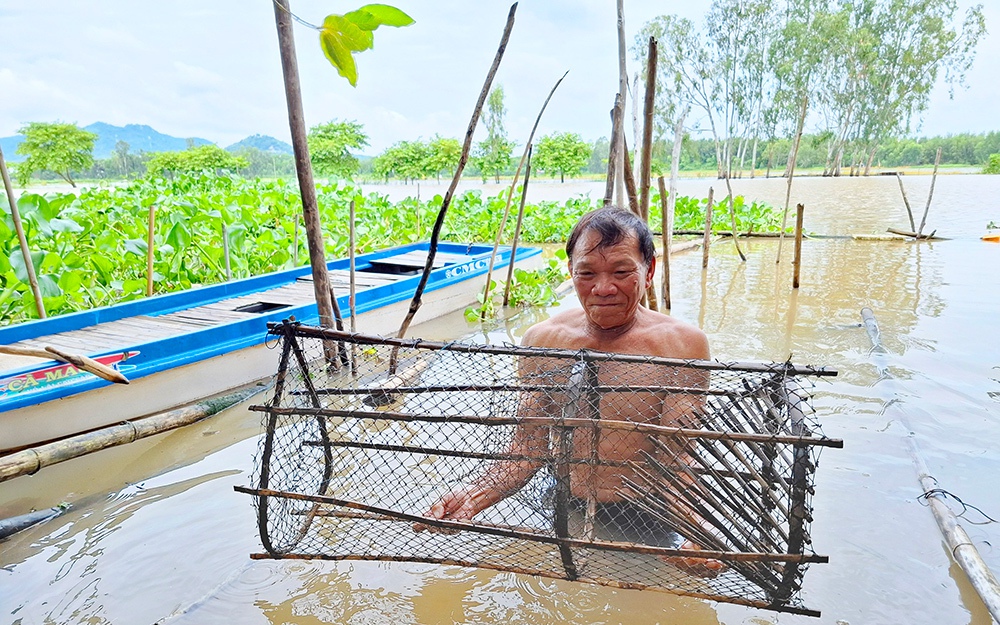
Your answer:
<point x="622" y="274"/>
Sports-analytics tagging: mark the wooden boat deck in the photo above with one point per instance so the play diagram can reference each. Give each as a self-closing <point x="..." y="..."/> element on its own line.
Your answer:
<point x="122" y="333"/>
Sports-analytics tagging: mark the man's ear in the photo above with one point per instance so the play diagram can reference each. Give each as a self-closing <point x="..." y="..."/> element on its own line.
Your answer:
<point x="650" y="272"/>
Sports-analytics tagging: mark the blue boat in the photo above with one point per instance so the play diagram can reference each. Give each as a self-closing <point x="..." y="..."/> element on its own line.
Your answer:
<point x="181" y="347"/>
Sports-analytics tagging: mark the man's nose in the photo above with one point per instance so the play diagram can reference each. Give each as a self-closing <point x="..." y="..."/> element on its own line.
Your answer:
<point x="604" y="285"/>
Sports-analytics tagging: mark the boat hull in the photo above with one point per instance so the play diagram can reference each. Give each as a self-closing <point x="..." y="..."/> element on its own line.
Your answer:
<point x="171" y="372"/>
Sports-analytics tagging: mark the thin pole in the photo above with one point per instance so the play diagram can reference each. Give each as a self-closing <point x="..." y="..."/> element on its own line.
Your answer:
<point x="225" y="252"/>
<point x="510" y="196"/>
<point x="793" y="157"/>
<point x="351" y="302"/>
<point x="16" y="216"/>
<point x="517" y="229"/>
<point x="799" y="210"/>
<point x="930" y="195"/>
<point x="303" y="166"/>
<point x="675" y="165"/>
<point x="648" y="108"/>
<point x="623" y="90"/>
<point x="150" y="231"/>
<point x="906" y="202"/>
<point x="708" y="229"/>
<point x="665" y="228"/>
<point x="616" y="115"/>
<point x="463" y="159"/>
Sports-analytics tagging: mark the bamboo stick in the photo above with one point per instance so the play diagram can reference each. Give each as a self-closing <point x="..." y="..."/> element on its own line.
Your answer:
<point x="930" y="194"/>
<point x="225" y="253"/>
<point x="510" y="196"/>
<point x="463" y="159"/>
<point x="30" y="461"/>
<point x="517" y="230"/>
<point x="616" y="115"/>
<point x="648" y="108"/>
<point x="707" y="240"/>
<point x="79" y="361"/>
<point x="675" y="159"/>
<point x="622" y="155"/>
<point x="15" y="215"/>
<point x="352" y="286"/>
<point x="665" y="233"/>
<point x="708" y="365"/>
<point x="630" y="190"/>
<point x="625" y="426"/>
<point x="541" y="537"/>
<point x="906" y="202"/>
<point x="790" y="170"/>
<point x="799" y="210"/>
<point x="150" y="232"/>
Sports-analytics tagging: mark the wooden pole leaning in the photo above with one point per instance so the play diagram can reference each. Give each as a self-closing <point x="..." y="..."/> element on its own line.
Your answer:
<point x="647" y="129"/>
<point x="462" y="160"/>
<point x="930" y="194"/>
<point x="21" y="239"/>
<point x="517" y="230"/>
<point x="906" y="202"/>
<point x="150" y="243"/>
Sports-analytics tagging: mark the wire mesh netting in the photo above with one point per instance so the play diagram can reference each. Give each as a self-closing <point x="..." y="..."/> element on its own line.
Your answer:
<point x="691" y="477"/>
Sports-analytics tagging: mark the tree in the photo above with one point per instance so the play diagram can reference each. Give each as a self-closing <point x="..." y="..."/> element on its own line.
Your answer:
<point x="408" y="160"/>
<point x="563" y="152"/>
<point x="444" y="155"/>
<point x="56" y="147"/>
<point x="202" y="158"/>
<point x="493" y="155"/>
<point x="330" y="145"/>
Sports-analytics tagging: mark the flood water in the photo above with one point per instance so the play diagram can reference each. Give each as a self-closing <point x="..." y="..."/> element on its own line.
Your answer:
<point x="157" y="535"/>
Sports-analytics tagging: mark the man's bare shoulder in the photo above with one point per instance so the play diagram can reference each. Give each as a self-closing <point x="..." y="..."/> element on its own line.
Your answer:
<point x="663" y="335"/>
<point x="563" y="330"/>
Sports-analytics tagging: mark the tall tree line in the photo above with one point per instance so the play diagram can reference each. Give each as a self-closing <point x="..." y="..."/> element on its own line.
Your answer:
<point x="857" y="72"/>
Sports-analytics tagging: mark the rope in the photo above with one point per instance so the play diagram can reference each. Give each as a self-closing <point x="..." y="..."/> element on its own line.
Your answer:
<point x="934" y="492"/>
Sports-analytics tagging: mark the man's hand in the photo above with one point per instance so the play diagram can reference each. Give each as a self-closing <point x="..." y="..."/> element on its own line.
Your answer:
<point x="458" y="505"/>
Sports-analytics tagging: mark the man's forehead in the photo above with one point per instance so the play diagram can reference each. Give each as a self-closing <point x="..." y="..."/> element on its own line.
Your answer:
<point x="589" y="245"/>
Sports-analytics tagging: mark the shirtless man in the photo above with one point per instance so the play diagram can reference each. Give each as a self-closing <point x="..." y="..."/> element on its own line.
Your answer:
<point x="611" y="262"/>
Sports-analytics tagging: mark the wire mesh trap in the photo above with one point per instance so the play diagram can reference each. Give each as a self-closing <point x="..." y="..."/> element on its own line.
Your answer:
<point x="690" y="477"/>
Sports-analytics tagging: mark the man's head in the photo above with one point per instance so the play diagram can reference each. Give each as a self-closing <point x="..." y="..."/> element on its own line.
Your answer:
<point x="611" y="260"/>
<point x="612" y="225"/>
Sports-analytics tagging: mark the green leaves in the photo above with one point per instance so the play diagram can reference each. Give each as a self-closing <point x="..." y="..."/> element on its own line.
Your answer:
<point x="343" y="35"/>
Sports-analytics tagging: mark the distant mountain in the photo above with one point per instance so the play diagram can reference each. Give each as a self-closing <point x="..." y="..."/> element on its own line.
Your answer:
<point x="264" y="143"/>
<point x="140" y="138"/>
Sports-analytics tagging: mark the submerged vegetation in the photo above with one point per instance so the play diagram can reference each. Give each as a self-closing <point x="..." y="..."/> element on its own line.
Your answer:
<point x="89" y="249"/>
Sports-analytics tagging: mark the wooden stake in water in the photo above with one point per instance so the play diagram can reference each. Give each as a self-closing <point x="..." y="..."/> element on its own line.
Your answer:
<point x="799" y="210"/>
<point x="647" y="129"/>
<point x="665" y="230"/>
<point x="21" y="239"/>
<point x="708" y="228"/>
<point x="906" y="202"/>
<point x="517" y="230"/>
<point x="351" y="303"/>
<point x="930" y="195"/>
<point x="150" y="242"/>
<point x="225" y="252"/>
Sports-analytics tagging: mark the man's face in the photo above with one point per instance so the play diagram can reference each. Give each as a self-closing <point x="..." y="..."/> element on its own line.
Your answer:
<point x="609" y="281"/>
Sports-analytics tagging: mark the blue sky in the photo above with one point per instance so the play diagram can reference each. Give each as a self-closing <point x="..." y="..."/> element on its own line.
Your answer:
<point x="211" y="69"/>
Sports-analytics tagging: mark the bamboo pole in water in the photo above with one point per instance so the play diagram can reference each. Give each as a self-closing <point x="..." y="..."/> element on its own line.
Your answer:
<point x="665" y="228"/>
<point x="30" y="461"/>
<point x="790" y="170"/>
<point x="962" y="549"/>
<point x="906" y="202"/>
<point x="22" y="240"/>
<point x="707" y="241"/>
<point x="799" y="210"/>
<point x="617" y="112"/>
<point x="225" y="253"/>
<point x="517" y="230"/>
<point x="463" y="159"/>
<point x="930" y="194"/>
<point x="622" y="153"/>
<point x="510" y="196"/>
<point x="150" y="232"/>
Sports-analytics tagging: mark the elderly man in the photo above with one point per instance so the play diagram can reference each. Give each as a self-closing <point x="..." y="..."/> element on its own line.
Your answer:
<point x="611" y="261"/>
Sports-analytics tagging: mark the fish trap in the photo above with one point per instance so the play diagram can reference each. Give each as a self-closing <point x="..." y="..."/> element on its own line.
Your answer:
<point x="690" y="477"/>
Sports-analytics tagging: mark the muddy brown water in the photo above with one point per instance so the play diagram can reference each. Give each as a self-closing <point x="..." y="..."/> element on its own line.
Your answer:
<point x="157" y="535"/>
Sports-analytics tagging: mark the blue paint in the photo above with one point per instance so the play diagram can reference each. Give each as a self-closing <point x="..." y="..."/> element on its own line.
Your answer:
<point x="191" y="347"/>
